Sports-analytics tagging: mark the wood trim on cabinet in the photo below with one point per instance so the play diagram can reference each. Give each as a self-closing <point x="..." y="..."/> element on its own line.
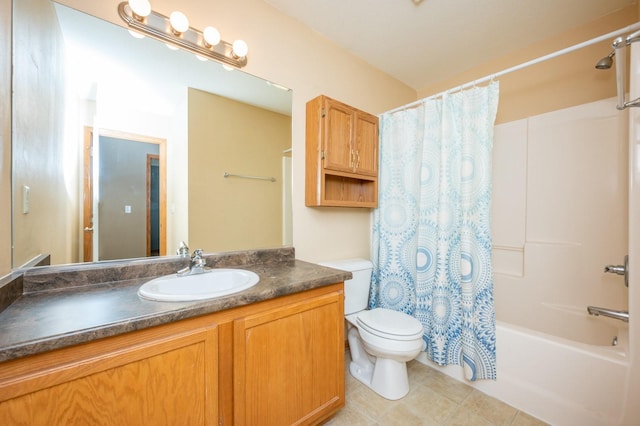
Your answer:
<point x="341" y="155"/>
<point x="70" y="374"/>
<point x="278" y="343"/>
<point x="88" y="383"/>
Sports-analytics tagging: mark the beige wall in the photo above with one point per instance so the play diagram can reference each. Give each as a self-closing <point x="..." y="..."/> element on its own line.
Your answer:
<point x="5" y="136"/>
<point x="229" y="136"/>
<point x="562" y="82"/>
<point x="45" y="162"/>
<point x="284" y="51"/>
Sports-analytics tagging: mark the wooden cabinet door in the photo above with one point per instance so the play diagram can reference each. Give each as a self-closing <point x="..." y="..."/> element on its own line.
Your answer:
<point x="168" y="380"/>
<point x="289" y="363"/>
<point x="366" y="144"/>
<point x="341" y="167"/>
<point x="338" y="132"/>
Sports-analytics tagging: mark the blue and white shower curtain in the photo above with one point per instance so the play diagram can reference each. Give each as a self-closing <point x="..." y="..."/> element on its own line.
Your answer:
<point x="431" y="233"/>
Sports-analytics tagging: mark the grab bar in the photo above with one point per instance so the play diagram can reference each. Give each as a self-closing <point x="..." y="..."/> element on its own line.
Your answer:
<point x="269" y="178"/>
<point x="611" y="313"/>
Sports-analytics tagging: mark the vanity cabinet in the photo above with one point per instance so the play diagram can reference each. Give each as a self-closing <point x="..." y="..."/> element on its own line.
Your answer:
<point x="341" y="155"/>
<point x="289" y="363"/>
<point x="279" y="361"/>
<point x="164" y="375"/>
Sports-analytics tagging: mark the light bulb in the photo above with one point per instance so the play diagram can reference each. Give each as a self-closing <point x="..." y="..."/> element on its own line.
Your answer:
<point x="136" y="34"/>
<point x="140" y="8"/>
<point x="240" y="48"/>
<point x="171" y="46"/>
<point x="201" y="58"/>
<point x="211" y="36"/>
<point x="179" y="22"/>
<point x="278" y="86"/>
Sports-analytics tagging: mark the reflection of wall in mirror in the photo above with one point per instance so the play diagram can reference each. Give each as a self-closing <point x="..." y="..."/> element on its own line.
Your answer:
<point x="230" y="136"/>
<point x="5" y="136"/>
<point x="45" y="161"/>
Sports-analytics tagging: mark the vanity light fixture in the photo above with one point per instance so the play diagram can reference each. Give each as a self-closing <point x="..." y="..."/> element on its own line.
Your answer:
<point x="278" y="86"/>
<point x="179" y="22"/>
<point x="140" y="8"/>
<point x="135" y="34"/>
<point x="211" y="37"/>
<point x="239" y="49"/>
<point x="175" y="31"/>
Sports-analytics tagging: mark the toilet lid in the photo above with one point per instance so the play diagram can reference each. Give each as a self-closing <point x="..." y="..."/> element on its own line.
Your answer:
<point x="389" y="323"/>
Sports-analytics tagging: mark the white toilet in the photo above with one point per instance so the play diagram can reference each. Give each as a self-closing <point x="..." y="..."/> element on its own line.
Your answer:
<point x="381" y="340"/>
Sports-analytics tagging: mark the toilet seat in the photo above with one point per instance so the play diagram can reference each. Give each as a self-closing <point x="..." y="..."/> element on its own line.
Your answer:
<point x="390" y="324"/>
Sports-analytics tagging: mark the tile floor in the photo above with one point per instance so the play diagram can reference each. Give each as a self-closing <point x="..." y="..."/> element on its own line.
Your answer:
<point x="434" y="399"/>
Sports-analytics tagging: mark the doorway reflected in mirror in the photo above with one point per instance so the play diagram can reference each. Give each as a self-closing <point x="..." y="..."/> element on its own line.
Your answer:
<point x="73" y="71"/>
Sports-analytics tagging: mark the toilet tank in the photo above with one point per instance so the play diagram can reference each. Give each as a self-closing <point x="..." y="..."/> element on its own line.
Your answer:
<point x="356" y="290"/>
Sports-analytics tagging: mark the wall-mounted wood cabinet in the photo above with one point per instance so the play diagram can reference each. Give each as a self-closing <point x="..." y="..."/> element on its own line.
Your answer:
<point x="341" y="155"/>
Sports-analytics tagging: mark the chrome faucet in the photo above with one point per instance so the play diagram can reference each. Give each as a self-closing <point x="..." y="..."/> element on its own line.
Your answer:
<point x="197" y="265"/>
<point x="615" y="269"/>
<point x="620" y="270"/>
<point x="183" y="250"/>
<point x="611" y="313"/>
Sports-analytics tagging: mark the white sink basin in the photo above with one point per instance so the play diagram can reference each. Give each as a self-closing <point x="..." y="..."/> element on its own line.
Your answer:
<point x="207" y="285"/>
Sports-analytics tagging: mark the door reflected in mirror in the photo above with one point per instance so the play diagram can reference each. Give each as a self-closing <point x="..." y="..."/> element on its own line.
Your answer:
<point x="127" y="217"/>
<point x="74" y="72"/>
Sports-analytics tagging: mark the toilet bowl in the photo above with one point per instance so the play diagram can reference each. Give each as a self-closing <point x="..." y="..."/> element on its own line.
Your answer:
<point x="381" y="340"/>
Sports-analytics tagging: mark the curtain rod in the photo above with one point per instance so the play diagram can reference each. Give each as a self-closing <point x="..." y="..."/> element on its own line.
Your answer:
<point x="561" y="52"/>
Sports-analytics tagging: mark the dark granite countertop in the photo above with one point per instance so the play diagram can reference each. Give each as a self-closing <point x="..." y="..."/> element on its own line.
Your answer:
<point x="65" y="306"/>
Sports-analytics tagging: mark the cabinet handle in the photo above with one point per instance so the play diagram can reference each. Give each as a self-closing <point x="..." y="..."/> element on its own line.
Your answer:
<point x="357" y="159"/>
<point x="353" y="158"/>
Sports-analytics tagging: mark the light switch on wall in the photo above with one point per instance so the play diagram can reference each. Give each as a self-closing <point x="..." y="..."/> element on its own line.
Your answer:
<point x="127" y="209"/>
<point x="25" y="199"/>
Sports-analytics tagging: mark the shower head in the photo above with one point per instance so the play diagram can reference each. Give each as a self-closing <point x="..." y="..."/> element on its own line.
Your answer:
<point x="606" y="62"/>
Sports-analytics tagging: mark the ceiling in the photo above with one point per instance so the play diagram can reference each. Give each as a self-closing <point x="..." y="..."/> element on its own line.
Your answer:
<point x="423" y="42"/>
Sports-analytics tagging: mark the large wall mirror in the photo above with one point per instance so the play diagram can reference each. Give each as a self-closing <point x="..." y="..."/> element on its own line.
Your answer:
<point x="124" y="147"/>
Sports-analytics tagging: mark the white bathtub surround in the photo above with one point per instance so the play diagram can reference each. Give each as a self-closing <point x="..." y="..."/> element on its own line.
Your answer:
<point x="435" y="194"/>
<point x="561" y="382"/>
<point x="560" y="213"/>
<point x="560" y="188"/>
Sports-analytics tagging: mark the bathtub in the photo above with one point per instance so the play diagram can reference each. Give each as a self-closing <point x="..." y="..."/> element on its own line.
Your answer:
<point x="558" y="364"/>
